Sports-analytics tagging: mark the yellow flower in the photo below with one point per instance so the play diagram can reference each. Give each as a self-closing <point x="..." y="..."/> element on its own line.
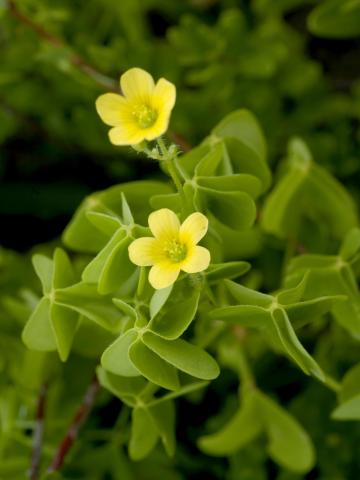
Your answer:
<point x="142" y="112"/>
<point x="174" y="247"/>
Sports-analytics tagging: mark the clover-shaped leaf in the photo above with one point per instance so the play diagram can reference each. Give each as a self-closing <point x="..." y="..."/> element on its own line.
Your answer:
<point x="177" y="312"/>
<point x="128" y="389"/>
<point x="189" y="358"/>
<point x="273" y="318"/>
<point x="115" y="358"/>
<point x="152" y="367"/>
<point x="84" y="299"/>
<point x="52" y="326"/>
<point x="330" y="276"/>
<point x="306" y="183"/>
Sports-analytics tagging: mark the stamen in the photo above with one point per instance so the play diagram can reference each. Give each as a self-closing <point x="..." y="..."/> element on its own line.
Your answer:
<point x="175" y="251"/>
<point x="144" y="115"/>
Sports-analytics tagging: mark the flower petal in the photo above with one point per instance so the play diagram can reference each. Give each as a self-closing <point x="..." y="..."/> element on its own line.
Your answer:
<point x="126" y="134"/>
<point x="164" y="224"/>
<point x="164" y="96"/>
<point x="197" y="261"/>
<point x="137" y="84"/>
<point x="158" y="129"/>
<point x="112" y="108"/>
<point x="163" y="275"/>
<point x="144" y="251"/>
<point x="194" y="228"/>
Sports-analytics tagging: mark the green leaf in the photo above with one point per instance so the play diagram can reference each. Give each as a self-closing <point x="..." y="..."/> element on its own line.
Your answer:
<point x="112" y="266"/>
<point x="292" y="295"/>
<point x="333" y="203"/>
<point x="84" y="299"/>
<point x="236" y="210"/>
<point x="84" y="343"/>
<point x="209" y="163"/>
<point x="117" y="268"/>
<point x="281" y="209"/>
<point x="351" y="245"/>
<point x="330" y="276"/>
<point x="242" y="428"/>
<point x="349" y="410"/>
<point x="305" y="312"/>
<point x="44" y="268"/>
<point x="237" y="182"/>
<point x="65" y="323"/>
<point x="292" y="345"/>
<point x="350" y="385"/>
<point x="164" y="418"/>
<point x="126" y="214"/>
<point x="335" y="19"/>
<point x="170" y="200"/>
<point x="107" y="224"/>
<point x="116" y="359"/>
<point x="81" y="235"/>
<point x="63" y="274"/>
<point x="177" y="313"/>
<point x="243" y="159"/>
<point x="190" y="160"/>
<point x="189" y="358"/>
<point x="144" y="434"/>
<point x="152" y="367"/>
<point x="158" y="300"/>
<point x="125" y="388"/>
<point x="248" y="296"/>
<point x="244" y="315"/>
<point x="218" y="271"/>
<point x="243" y="126"/>
<point x="125" y="308"/>
<point x="289" y="444"/>
<point x="38" y="333"/>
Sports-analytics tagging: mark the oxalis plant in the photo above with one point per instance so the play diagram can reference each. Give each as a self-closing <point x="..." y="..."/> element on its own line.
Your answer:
<point x="150" y="297"/>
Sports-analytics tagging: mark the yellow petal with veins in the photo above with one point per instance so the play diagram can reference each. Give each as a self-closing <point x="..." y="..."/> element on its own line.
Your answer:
<point x="194" y="228"/>
<point x="137" y="84"/>
<point x="126" y="134"/>
<point x="112" y="108"/>
<point x="164" y="96"/>
<point x="163" y="274"/>
<point x="164" y="224"/>
<point x="144" y="251"/>
<point x="197" y="261"/>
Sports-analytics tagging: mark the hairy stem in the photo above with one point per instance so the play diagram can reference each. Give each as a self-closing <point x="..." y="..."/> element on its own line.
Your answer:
<point x="80" y="417"/>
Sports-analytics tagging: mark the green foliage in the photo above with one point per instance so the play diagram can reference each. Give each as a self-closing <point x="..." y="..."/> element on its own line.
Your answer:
<point x="256" y="359"/>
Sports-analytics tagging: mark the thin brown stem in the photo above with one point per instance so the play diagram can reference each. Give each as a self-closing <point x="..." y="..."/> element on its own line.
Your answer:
<point x="80" y="417"/>
<point x="101" y="79"/>
<point x="38" y="434"/>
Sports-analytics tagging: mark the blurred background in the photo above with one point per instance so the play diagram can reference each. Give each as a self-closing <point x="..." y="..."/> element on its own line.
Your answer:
<point x="294" y="63"/>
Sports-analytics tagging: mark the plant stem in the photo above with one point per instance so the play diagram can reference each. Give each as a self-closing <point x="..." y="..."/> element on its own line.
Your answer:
<point x="332" y="384"/>
<point x="169" y="159"/>
<point x="38" y="434"/>
<point x="80" y="417"/>
<point x="75" y="59"/>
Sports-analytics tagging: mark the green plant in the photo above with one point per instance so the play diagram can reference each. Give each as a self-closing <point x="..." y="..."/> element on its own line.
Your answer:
<point x="246" y="369"/>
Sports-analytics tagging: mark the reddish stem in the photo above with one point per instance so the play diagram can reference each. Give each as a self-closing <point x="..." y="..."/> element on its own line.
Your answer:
<point x="71" y="435"/>
<point x="38" y="434"/>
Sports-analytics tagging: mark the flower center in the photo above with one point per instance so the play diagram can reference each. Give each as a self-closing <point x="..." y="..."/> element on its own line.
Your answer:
<point x="175" y="251"/>
<point x="144" y="115"/>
